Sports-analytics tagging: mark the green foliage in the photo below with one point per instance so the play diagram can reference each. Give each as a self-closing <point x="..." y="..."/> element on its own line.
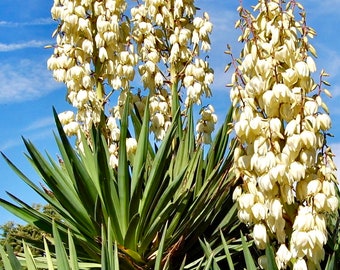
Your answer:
<point x="167" y="210"/>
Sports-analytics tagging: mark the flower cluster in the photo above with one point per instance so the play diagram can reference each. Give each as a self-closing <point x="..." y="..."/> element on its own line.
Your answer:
<point x="160" y="111"/>
<point x="206" y="125"/>
<point x="287" y="169"/>
<point x="98" y="49"/>
<point x="169" y="37"/>
<point x="67" y="119"/>
<point x="92" y="48"/>
<point x="198" y="77"/>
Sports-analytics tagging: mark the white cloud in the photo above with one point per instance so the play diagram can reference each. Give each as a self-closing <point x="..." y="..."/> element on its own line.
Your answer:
<point x="38" y="135"/>
<point x="36" y="22"/>
<point x="323" y="7"/>
<point x="35" y="131"/>
<point x="10" y="144"/>
<point x="18" y="46"/>
<point x="40" y="123"/>
<point x="25" y="80"/>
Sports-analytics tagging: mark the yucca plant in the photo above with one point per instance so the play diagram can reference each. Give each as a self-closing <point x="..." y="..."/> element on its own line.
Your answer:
<point x="154" y="213"/>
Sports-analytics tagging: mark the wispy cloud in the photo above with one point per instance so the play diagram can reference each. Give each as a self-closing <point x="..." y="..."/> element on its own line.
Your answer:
<point x="40" y="123"/>
<point x="35" y="131"/>
<point x="38" y="135"/>
<point x="36" y="22"/>
<point x="24" y="45"/>
<point x="329" y="7"/>
<point x="25" y="80"/>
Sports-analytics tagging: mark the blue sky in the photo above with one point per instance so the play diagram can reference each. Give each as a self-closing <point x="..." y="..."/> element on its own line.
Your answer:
<point x="28" y="92"/>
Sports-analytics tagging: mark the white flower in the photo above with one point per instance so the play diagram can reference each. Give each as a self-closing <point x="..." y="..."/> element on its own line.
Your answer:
<point x="276" y="209"/>
<point x="159" y="79"/>
<point x="290" y="76"/>
<point x="71" y="128"/>
<point x="260" y="235"/>
<point x="259" y="211"/>
<point x="158" y="120"/>
<point x="66" y="117"/>
<point x="102" y="54"/>
<point x="324" y="121"/>
<point x="82" y="96"/>
<point x="311" y="64"/>
<point x="113" y="161"/>
<point x="131" y="147"/>
<point x="300" y="264"/>
<point x="283" y="256"/>
<point x="320" y="200"/>
<point x="246" y="200"/>
<point x="302" y="69"/>
<point x="308" y="138"/>
<point x="237" y="193"/>
<point x="314" y="187"/>
<point x="310" y="107"/>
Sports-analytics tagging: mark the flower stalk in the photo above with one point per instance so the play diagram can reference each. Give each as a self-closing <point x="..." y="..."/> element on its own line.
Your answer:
<point x="281" y="124"/>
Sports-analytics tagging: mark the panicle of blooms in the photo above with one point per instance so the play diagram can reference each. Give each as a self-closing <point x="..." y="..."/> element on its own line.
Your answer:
<point x="169" y="38"/>
<point x="92" y="49"/>
<point x="281" y="122"/>
<point x="98" y="49"/>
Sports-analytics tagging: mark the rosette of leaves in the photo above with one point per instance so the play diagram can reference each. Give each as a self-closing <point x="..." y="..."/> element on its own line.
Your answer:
<point x="164" y="211"/>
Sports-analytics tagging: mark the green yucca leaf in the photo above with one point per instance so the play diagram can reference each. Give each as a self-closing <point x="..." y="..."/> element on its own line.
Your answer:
<point x="183" y="263"/>
<point x="227" y="252"/>
<point x="186" y="145"/>
<point x="12" y="258"/>
<point x="210" y="263"/>
<point x="105" y="260"/>
<point x="155" y="180"/>
<point x="139" y="163"/>
<point x="29" y="260"/>
<point x="26" y="213"/>
<point x="115" y="258"/>
<point x="331" y="262"/>
<point x="123" y="171"/>
<point x="230" y="218"/>
<point x="270" y="257"/>
<point x="130" y="240"/>
<point x="50" y="199"/>
<point x="175" y="106"/>
<point x="110" y="200"/>
<point x="62" y="190"/>
<point x="48" y="256"/>
<point x="6" y="259"/>
<point x="83" y="184"/>
<point x="62" y="260"/>
<point x="159" y="255"/>
<point x="247" y="255"/>
<point x="137" y="124"/>
<point x="152" y="229"/>
<point x="72" y="253"/>
<point x="167" y="196"/>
